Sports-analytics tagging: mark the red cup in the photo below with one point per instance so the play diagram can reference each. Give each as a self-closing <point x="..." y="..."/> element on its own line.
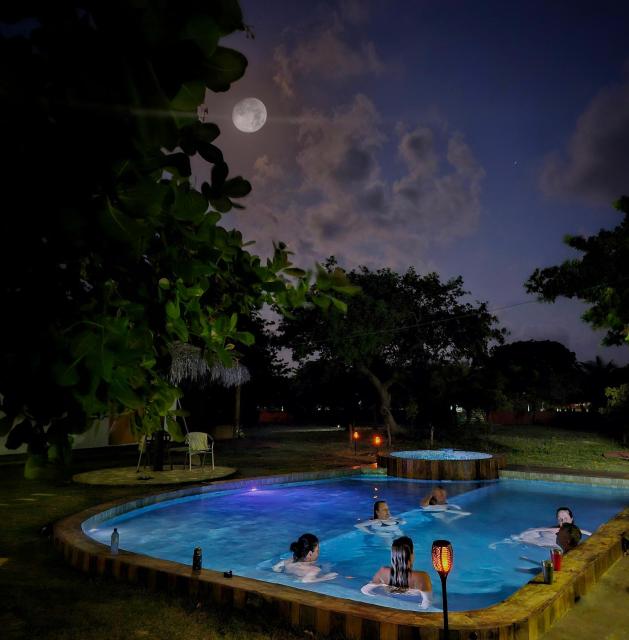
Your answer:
<point x="556" y="556"/>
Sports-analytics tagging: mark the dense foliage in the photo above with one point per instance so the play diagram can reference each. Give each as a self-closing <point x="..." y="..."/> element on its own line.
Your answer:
<point x="396" y="325"/>
<point x="108" y="255"/>
<point x="600" y="278"/>
<point x="537" y="374"/>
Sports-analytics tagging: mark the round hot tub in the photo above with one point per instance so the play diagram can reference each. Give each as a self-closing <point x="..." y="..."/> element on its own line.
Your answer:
<point x="442" y="464"/>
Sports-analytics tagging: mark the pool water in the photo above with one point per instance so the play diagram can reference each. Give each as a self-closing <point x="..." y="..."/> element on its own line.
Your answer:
<point x="248" y="530"/>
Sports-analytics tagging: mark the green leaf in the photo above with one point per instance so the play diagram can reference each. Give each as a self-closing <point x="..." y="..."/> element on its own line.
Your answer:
<point x="189" y="97"/>
<point x="236" y="187"/>
<point x="66" y="376"/>
<point x="124" y="394"/>
<point x="204" y="32"/>
<point x="245" y="338"/>
<point x="177" y="162"/>
<point x="294" y="271"/>
<point x="172" y="310"/>
<point x="209" y="152"/>
<point x="348" y="289"/>
<point x="189" y="204"/>
<point x="221" y="204"/>
<point x="339" y="304"/>
<point x="223" y="68"/>
<point x="321" y="301"/>
<point x="164" y="283"/>
<point x="180" y="328"/>
<point x="107" y="365"/>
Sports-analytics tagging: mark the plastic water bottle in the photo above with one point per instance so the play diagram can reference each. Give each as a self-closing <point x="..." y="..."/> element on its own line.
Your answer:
<point x="115" y="539"/>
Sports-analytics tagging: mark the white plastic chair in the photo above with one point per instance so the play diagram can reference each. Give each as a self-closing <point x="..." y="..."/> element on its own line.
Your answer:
<point x="199" y="443"/>
<point x="143" y="450"/>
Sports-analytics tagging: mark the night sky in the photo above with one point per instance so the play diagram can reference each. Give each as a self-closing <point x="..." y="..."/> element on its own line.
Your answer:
<point x="462" y="137"/>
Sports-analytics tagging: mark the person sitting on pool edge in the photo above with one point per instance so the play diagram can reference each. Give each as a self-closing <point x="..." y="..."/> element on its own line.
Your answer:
<point x="383" y="523"/>
<point x="400" y="577"/>
<point x="305" y="554"/>
<point x="568" y="536"/>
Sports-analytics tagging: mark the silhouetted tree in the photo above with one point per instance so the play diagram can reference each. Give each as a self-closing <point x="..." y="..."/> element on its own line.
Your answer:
<point x="600" y="278"/>
<point x="396" y="322"/>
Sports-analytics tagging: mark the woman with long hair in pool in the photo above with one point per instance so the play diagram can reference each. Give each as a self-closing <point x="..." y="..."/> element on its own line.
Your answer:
<point x="400" y="577"/>
<point x="383" y="523"/>
<point x="303" y="564"/>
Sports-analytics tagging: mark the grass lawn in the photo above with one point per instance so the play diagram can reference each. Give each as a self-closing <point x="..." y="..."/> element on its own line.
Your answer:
<point x="43" y="598"/>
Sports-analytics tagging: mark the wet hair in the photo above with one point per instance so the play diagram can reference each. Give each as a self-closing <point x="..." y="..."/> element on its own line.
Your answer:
<point x="307" y="542"/>
<point x="376" y="505"/>
<point x="565" y="509"/>
<point x="401" y="552"/>
<point x="574" y="534"/>
<point x="432" y="500"/>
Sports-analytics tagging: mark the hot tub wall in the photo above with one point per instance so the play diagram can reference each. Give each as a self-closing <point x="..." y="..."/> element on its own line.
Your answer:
<point x="482" y="469"/>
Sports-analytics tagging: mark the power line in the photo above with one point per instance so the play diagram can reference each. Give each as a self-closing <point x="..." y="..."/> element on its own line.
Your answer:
<point x="426" y="323"/>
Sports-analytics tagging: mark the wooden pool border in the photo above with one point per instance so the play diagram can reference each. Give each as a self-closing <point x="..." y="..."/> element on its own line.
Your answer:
<point x="525" y="615"/>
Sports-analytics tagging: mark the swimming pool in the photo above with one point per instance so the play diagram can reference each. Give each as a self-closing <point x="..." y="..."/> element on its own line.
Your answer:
<point x="246" y="530"/>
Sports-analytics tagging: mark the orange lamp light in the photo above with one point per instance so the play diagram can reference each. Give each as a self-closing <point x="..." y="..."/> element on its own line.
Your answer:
<point x="377" y="441"/>
<point x="442" y="557"/>
<point x="442" y="561"/>
<point x="356" y="435"/>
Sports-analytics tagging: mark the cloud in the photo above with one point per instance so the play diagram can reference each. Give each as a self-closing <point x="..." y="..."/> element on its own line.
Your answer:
<point x="348" y="198"/>
<point x="355" y="11"/>
<point x="595" y="165"/>
<point x="440" y="194"/>
<point x="339" y="149"/>
<point x="327" y="54"/>
<point x="265" y="171"/>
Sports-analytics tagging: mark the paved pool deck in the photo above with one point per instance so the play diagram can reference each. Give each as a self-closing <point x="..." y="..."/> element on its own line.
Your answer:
<point x="603" y="612"/>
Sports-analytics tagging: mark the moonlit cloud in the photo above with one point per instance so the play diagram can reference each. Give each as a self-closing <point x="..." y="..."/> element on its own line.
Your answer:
<point x="326" y="54"/>
<point x="340" y="202"/>
<point x="265" y="171"/>
<point x="595" y="165"/>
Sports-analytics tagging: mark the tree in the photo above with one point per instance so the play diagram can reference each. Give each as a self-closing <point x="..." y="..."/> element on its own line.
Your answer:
<point x="600" y="278"/>
<point x="108" y="255"/>
<point x="394" y="323"/>
<point x="536" y="373"/>
<point x="597" y="375"/>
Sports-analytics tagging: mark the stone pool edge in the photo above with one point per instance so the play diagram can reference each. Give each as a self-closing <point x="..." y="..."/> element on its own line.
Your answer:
<point x="526" y="614"/>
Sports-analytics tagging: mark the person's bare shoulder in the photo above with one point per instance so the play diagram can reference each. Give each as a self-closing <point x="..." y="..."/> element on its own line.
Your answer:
<point x="421" y="580"/>
<point x="382" y="576"/>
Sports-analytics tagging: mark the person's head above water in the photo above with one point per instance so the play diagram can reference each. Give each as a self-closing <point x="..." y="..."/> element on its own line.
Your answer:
<point x="401" y="562"/>
<point x="564" y="515"/>
<point x="568" y="536"/>
<point x="440" y="495"/>
<point x="306" y="548"/>
<point x="381" y="510"/>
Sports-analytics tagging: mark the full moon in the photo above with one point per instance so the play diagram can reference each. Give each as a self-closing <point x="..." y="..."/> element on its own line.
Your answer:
<point x="249" y="115"/>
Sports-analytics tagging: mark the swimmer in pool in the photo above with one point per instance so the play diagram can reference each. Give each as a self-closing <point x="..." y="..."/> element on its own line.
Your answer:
<point x="565" y="516"/>
<point x="437" y="503"/>
<point x="544" y="536"/>
<point x="305" y="554"/>
<point x="437" y="496"/>
<point x="400" y="577"/>
<point x="383" y="523"/>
